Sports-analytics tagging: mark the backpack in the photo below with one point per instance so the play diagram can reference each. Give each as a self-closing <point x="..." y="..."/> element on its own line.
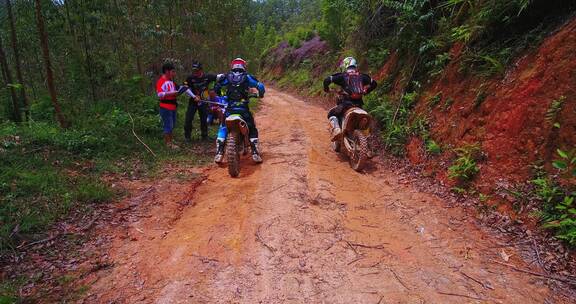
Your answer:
<point x="354" y="86"/>
<point x="237" y="86"/>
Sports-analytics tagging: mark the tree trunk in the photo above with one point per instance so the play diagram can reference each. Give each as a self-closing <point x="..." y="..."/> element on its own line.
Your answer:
<point x="170" y="29"/>
<point x="17" y="58"/>
<point x="135" y="41"/>
<point x="46" y="54"/>
<point x="87" y="52"/>
<point x="17" y="117"/>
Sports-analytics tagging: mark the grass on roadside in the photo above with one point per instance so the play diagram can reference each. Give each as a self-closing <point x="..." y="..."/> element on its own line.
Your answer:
<point x="45" y="171"/>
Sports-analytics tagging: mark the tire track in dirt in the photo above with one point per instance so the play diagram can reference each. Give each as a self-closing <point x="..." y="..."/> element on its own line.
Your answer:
<point x="305" y="228"/>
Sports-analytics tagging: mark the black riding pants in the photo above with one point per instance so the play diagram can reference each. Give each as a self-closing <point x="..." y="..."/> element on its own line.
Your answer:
<point x="342" y="106"/>
<point x="202" y="110"/>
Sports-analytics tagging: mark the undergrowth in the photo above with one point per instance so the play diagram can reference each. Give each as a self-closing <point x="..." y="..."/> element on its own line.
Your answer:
<point x="45" y="171"/>
<point x="394" y="117"/>
<point x="465" y="166"/>
<point x="559" y="209"/>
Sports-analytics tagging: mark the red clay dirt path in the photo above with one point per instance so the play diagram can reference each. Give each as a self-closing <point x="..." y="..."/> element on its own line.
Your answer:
<point x="305" y="228"/>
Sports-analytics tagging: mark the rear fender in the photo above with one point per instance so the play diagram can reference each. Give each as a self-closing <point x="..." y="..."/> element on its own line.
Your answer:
<point x="356" y="119"/>
<point x="235" y="123"/>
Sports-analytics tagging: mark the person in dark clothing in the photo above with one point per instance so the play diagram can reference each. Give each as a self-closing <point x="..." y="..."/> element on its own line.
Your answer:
<point x="199" y="83"/>
<point x="354" y="86"/>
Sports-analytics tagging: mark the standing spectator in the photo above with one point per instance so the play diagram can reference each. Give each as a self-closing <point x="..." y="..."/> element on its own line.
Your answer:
<point x="198" y="82"/>
<point x="168" y="93"/>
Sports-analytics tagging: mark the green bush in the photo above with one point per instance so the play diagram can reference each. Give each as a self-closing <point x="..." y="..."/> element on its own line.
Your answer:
<point x="554" y="109"/>
<point x="299" y="35"/>
<point x="432" y="147"/>
<point x="564" y="222"/>
<point x="92" y="192"/>
<point x="377" y="55"/>
<point x="437" y="65"/>
<point x="465" y="167"/>
<point x="299" y="79"/>
<point x="559" y="211"/>
<point x="434" y="100"/>
<point x="461" y="33"/>
<point x="394" y="119"/>
<point x="338" y="21"/>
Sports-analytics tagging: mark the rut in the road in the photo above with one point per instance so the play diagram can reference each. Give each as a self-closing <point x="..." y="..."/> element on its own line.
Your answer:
<point x="305" y="228"/>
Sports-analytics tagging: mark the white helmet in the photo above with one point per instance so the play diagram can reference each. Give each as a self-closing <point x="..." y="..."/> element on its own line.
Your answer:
<point x="348" y="63"/>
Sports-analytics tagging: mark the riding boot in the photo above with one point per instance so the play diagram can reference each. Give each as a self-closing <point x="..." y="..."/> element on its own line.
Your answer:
<point x="335" y="130"/>
<point x="168" y="141"/>
<point x="219" y="151"/>
<point x="255" y="152"/>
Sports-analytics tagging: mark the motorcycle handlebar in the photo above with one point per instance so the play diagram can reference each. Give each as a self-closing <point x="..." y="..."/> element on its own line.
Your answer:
<point x="213" y="102"/>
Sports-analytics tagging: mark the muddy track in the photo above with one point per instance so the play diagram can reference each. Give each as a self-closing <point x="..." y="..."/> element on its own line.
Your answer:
<point x="304" y="228"/>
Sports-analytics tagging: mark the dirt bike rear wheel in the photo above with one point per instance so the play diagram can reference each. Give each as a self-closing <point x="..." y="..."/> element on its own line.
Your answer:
<point x="359" y="156"/>
<point x="233" y="155"/>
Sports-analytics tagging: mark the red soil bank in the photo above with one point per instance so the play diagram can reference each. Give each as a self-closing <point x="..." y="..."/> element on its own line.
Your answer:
<point x="510" y="122"/>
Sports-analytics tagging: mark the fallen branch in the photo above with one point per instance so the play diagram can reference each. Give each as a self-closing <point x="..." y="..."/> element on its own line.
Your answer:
<point x="538" y="256"/>
<point x="89" y="225"/>
<point x="371" y="273"/>
<point x="276" y="189"/>
<point x="355" y="260"/>
<point x="352" y="247"/>
<point x="279" y="162"/>
<point x="138" y="138"/>
<point x="381" y="246"/>
<point x="330" y="246"/>
<point x="371" y="226"/>
<point x="398" y="278"/>
<point x="477" y="281"/>
<point x="57" y="235"/>
<point x="259" y="239"/>
<point x="204" y="259"/>
<point x="500" y="245"/>
<point x="461" y="295"/>
<point x="46" y="240"/>
<point x="572" y="282"/>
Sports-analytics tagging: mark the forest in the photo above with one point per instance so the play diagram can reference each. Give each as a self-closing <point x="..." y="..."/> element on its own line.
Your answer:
<point x="476" y="96"/>
<point x="69" y="66"/>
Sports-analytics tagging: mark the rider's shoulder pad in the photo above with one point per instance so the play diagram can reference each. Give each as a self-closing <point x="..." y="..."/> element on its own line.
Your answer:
<point x="253" y="77"/>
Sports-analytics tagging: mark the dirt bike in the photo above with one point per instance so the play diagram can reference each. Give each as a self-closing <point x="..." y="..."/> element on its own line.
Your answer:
<point x="353" y="141"/>
<point x="237" y="142"/>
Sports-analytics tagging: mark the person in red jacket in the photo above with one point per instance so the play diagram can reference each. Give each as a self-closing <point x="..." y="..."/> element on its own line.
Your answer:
<point x="168" y="93"/>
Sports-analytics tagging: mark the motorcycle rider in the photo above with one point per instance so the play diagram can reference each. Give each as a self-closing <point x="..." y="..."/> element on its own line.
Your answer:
<point x="198" y="82"/>
<point x="354" y="85"/>
<point x="238" y="84"/>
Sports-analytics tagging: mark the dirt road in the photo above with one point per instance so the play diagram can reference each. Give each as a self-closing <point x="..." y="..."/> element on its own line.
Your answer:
<point x="304" y="228"/>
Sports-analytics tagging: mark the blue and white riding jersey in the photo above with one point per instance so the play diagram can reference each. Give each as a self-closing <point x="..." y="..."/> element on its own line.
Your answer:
<point x="222" y="102"/>
<point x="252" y="83"/>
